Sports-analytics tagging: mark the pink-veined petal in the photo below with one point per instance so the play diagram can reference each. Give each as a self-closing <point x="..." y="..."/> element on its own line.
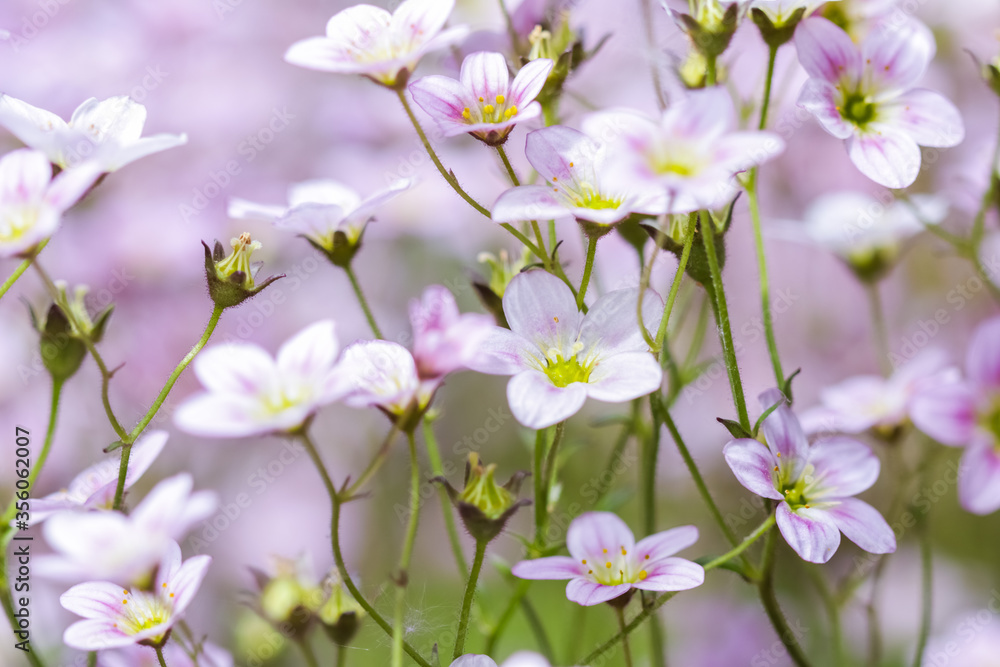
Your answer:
<point x="96" y="635"/>
<point x="753" y="464"/>
<point x="623" y="377"/>
<point x="810" y="532"/>
<point x="592" y="532"/>
<point x="819" y="97"/>
<point x="589" y="593"/>
<point x="827" y="52"/>
<point x="550" y="151"/>
<point x="979" y="477"/>
<point x="144" y="452"/>
<point x="24" y="176"/>
<point x="541" y="308"/>
<point x="528" y="202"/>
<point x="537" y="403"/>
<point x="188" y="579"/>
<point x="223" y="416"/>
<point x="237" y="368"/>
<point x="311" y="352"/>
<point x="782" y="429"/>
<point x="485" y="75"/>
<point x="895" y="57"/>
<point x="95" y="599"/>
<point x="862" y="524"/>
<point x="529" y="81"/>
<point x="672" y="574"/>
<point x="611" y="325"/>
<point x="702" y="116"/>
<point x="553" y="567"/>
<point x="666" y="544"/>
<point x="416" y="21"/>
<point x="946" y="412"/>
<point x="357" y="24"/>
<point x="927" y="117"/>
<point x="69" y="186"/>
<point x="444" y="99"/>
<point x="886" y="155"/>
<point x="503" y="352"/>
<point x="843" y="467"/>
<point x="982" y="361"/>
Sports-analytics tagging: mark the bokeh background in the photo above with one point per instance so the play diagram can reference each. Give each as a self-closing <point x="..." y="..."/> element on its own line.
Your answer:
<point x="214" y="70"/>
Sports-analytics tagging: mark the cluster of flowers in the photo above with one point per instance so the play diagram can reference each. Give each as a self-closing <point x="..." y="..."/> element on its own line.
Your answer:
<point x="676" y="174"/>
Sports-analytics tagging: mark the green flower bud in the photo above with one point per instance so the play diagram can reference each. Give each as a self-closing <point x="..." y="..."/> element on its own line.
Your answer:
<point x="231" y="279"/>
<point x="483" y="505"/>
<point x="711" y="29"/>
<point x="290" y="598"/>
<point x="672" y="240"/>
<point x="500" y="271"/>
<point x="62" y="352"/>
<point x="340" y="614"/>
<point x="777" y="32"/>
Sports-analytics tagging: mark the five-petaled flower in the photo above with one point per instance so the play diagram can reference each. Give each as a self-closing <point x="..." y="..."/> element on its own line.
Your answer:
<point x="966" y="412"/>
<point x="483" y="101"/>
<point x="445" y="340"/>
<point x="32" y="202"/>
<point x="575" y="169"/>
<point x="866" y="96"/>
<point x="813" y="484"/>
<point x="252" y="393"/>
<point x="606" y="562"/>
<point x="117" y="616"/>
<point x="384" y="47"/>
<point x="687" y="158"/>
<point x="559" y="356"/>
<point x="107" y="134"/>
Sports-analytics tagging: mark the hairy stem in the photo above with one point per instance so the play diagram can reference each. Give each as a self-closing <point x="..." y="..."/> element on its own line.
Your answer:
<point x="588" y="267"/>
<point x="402" y="576"/>
<point x="765" y="289"/>
<point x="470" y="594"/>
<point x="356" y="286"/>
<point x="773" y="609"/>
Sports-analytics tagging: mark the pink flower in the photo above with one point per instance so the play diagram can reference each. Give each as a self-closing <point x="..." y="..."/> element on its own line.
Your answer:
<point x="252" y="393"/>
<point x="319" y="209"/>
<point x="445" y="340"/>
<point x="106" y="134"/>
<point x="872" y="401"/>
<point x="383" y="374"/>
<point x="120" y="617"/>
<point x="175" y="655"/>
<point x="967" y="413"/>
<point x="605" y="562"/>
<point x="814" y="484"/>
<point x="576" y="173"/>
<point x="559" y="356"/>
<point x="384" y="47"/>
<point x="94" y="488"/>
<point x="866" y="96"/>
<point x="688" y="157"/>
<point x="483" y="102"/>
<point x="32" y="202"/>
<point x="111" y="545"/>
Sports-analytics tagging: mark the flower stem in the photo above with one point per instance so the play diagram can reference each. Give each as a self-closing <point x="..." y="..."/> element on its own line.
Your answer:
<point x="661" y="333"/>
<point x="341" y="656"/>
<point x="587" y="270"/>
<point x="767" y="597"/>
<point x="710" y="71"/>
<point x="307" y="652"/>
<point x="159" y="656"/>
<point x="926" y="588"/>
<point x="650" y="454"/>
<point x="402" y="577"/>
<point x="338" y="556"/>
<point x="92" y="659"/>
<point x="538" y="476"/>
<point x="648" y="23"/>
<point x="507" y="165"/>
<point x="722" y="319"/>
<point x="470" y="594"/>
<point x="765" y="289"/>
<point x="620" y="612"/>
<point x="879" y="328"/>
<point x="765" y="104"/>
<point x="448" y="175"/>
<point x="434" y="454"/>
<point x="377" y="461"/>
<point x="550" y="461"/>
<point x="744" y="545"/>
<point x="213" y="321"/>
<point x="349" y="270"/>
<point x="21" y="268"/>
<point x="628" y="629"/>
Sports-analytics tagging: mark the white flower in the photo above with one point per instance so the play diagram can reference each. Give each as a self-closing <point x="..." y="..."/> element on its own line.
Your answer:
<point x="107" y="133"/>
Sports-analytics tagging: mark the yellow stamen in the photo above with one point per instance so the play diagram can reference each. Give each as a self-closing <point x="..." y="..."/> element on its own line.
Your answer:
<point x="489" y="108"/>
<point x="584" y="561"/>
<point x="624" y="553"/>
<point x="511" y="112"/>
<point x="608" y="565"/>
<point x="500" y="99"/>
<point x="642" y="574"/>
<point x="466" y="114"/>
<point x="570" y="164"/>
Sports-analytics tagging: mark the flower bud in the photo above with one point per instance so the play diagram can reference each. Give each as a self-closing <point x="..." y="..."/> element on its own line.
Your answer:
<point x="483" y="505"/>
<point x="62" y="352"/>
<point x="500" y="271"/>
<point x="231" y="279"/>
<point x="712" y="27"/>
<point x="776" y="30"/>
<point x="991" y="74"/>
<point x="289" y="599"/>
<point x="672" y="240"/>
<point x="340" y="246"/>
<point x="340" y="614"/>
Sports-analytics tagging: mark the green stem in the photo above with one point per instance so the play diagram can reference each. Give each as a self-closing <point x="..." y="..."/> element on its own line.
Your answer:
<point x="515" y="41"/>
<point x="508" y="613"/>
<point x="926" y="589"/>
<point x="380" y="457"/>
<point x="773" y="609"/>
<point x="588" y="267"/>
<point x="768" y="82"/>
<point x="470" y="594"/>
<point x="155" y="407"/>
<point x="538" y="477"/>
<point x="537" y="629"/>
<point x="402" y="577"/>
<point x="21" y="268"/>
<point x="307" y="652"/>
<point x="550" y="463"/>
<point x="338" y="555"/>
<point x="434" y="454"/>
<point x="744" y="545"/>
<point x="7" y="601"/>
<point x="832" y="610"/>
<point x="620" y="612"/>
<point x="349" y="270"/>
<point x="879" y="329"/>
<point x="648" y="23"/>
<point x="650" y="455"/>
<point x="765" y="289"/>
<point x="92" y="659"/>
<point x="646" y="276"/>
<point x="159" y="656"/>
<point x="507" y="165"/>
<point x="603" y="486"/>
<point x="722" y="319"/>
<point x="628" y="629"/>
<point x="661" y="333"/>
<point x="710" y="71"/>
<point x="448" y="176"/>
<point x="341" y="656"/>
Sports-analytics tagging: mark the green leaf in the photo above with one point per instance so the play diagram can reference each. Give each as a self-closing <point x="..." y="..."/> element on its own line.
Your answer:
<point x="734" y="428"/>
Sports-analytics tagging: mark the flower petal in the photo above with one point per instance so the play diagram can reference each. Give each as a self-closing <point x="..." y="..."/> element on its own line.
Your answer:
<point x="95" y="599"/>
<point x="753" y="464"/>
<point x="979" y="478"/>
<point x="444" y="99"/>
<point x="886" y="155"/>
<point x="811" y="532"/>
<point x="592" y="532"/>
<point x="528" y="202"/>
<point x="827" y="52"/>
<point x="611" y="326"/>
<point x="187" y="581"/>
<point x="667" y="543"/>
<point x="226" y="416"/>
<point x="35" y="127"/>
<point x="672" y="574"/>
<point x="415" y="21"/>
<point x="310" y="354"/>
<point x="862" y="524"/>
<point x="589" y="593"/>
<point x="144" y="452"/>
<point x="113" y="156"/>
<point x="241" y="209"/>
<point x="503" y="352"/>
<point x="896" y="56"/>
<point x="96" y="635"/>
<point x="819" y="97"/>
<point x="542" y="309"/>
<point x="529" y="81"/>
<point x="553" y="567"/>
<point x="782" y="429"/>
<point x="946" y="412"/>
<point x="927" y="117"/>
<point x="982" y="361"/>
<point x="843" y="467"/>
<point x="471" y="660"/>
<point x="237" y="368"/>
<point x="624" y="377"/>
<point x="485" y="75"/>
<point x="537" y="403"/>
